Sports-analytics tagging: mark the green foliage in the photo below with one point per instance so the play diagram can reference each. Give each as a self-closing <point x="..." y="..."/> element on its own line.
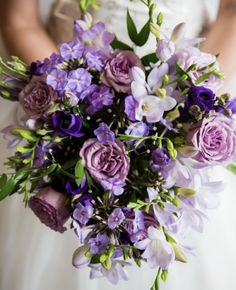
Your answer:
<point x="232" y="167"/>
<point x="149" y="58"/>
<point x="26" y="134"/>
<point x="85" y="4"/>
<point x="7" y="186"/>
<point x="117" y="44"/>
<point x="79" y="172"/>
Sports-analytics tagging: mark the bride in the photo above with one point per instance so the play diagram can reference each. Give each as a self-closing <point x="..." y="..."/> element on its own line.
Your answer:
<point x="32" y="257"/>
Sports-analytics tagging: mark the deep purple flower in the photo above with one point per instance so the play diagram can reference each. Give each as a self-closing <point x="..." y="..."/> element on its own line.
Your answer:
<point x="73" y="188"/>
<point x="78" y="81"/>
<point x="137" y="129"/>
<point x="161" y="161"/>
<point x="67" y="124"/>
<point x="100" y="97"/>
<point x="113" y="185"/>
<point x="115" y="218"/>
<point x="202" y="97"/>
<point x="130" y="107"/>
<point x="71" y="50"/>
<point x="39" y="156"/>
<point x="104" y="134"/>
<point x="50" y="207"/>
<point x="37" y="97"/>
<point x="214" y="139"/>
<point x="57" y="79"/>
<point x="83" y="213"/>
<point x="105" y="160"/>
<point x="99" y="244"/>
<point x="118" y="70"/>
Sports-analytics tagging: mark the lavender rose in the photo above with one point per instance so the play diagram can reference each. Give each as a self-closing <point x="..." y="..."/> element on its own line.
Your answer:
<point x="50" y="207"/>
<point x="214" y="139"/>
<point x="118" y="70"/>
<point x="37" y="97"/>
<point x="105" y="160"/>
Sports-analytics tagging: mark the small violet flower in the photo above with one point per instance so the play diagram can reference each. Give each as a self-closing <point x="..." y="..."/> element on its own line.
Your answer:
<point x="82" y="213"/>
<point x="99" y="244"/>
<point x="114" y="185"/>
<point x="115" y="218"/>
<point x="104" y="134"/>
<point x="57" y="79"/>
<point x="78" y="81"/>
<point x="71" y="50"/>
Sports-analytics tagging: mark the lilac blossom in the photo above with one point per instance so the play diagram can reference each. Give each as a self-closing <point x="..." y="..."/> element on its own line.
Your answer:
<point x="95" y="35"/>
<point x="115" y="218"/>
<point x="71" y="50"/>
<point x="57" y="79"/>
<point x="114" y="185"/>
<point x="114" y="274"/>
<point x="157" y="251"/>
<point x="83" y="213"/>
<point x="99" y="244"/>
<point x="131" y="105"/>
<point x="95" y="59"/>
<point x="104" y="134"/>
<point x="100" y="97"/>
<point x="150" y="105"/>
<point x="78" y="81"/>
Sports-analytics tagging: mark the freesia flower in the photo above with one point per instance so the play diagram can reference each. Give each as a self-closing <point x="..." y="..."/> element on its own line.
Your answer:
<point x="157" y="251"/>
<point x="150" y="105"/>
<point x="79" y="259"/>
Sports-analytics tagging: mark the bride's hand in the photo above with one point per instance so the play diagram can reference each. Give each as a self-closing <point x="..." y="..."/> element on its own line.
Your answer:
<point x="22" y="31"/>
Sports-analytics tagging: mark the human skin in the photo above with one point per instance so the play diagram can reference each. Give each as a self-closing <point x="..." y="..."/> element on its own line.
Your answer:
<point x="25" y="36"/>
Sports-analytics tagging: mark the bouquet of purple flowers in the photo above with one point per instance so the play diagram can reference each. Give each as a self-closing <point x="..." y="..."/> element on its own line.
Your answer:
<point x="120" y="144"/>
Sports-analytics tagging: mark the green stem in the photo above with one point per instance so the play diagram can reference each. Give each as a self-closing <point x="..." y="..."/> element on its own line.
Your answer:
<point x="156" y="284"/>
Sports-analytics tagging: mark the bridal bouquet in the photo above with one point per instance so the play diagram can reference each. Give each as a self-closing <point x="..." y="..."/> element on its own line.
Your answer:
<point x="120" y="145"/>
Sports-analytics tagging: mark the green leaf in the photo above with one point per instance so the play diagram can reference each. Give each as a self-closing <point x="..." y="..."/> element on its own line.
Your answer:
<point x="160" y="18"/>
<point x="149" y="58"/>
<point x="7" y="188"/>
<point x="3" y="180"/>
<point x="202" y="78"/>
<point x="26" y="134"/>
<point x="79" y="172"/>
<point x="117" y="44"/>
<point x="232" y="168"/>
<point x="143" y="35"/>
<point x="24" y="150"/>
<point x="132" y="30"/>
<point x="171" y="149"/>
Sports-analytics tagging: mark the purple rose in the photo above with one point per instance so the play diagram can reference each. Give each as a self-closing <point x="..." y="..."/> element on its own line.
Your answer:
<point x="118" y="73"/>
<point x="105" y="160"/>
<point x="37" y="97"/>
<point x="214" y="139"/>
<point x="67" y="124"/>
<point x="50" y="207"/>
<point x="202" y="97"/>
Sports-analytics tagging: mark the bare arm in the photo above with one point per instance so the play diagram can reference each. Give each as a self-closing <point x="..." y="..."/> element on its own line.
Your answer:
<point x="22" y="31"/>
<point x="222" y="37"/>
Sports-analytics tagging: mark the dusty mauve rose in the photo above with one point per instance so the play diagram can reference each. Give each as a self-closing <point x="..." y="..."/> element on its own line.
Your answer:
<point x="117" y="72"/>
<point x="214" y="139"/>
<point x="50" y="207"/>
<point x="37" y="97"/>
<point x="105" y="160"/>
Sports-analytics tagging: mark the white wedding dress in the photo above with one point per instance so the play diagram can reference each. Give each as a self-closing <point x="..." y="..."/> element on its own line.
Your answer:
<point x="32" y="257"/>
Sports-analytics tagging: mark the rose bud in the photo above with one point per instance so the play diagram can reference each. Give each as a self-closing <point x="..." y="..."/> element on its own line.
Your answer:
<point x="118" y="70"/>
<point x="50" y="207"/>
<point x="37" y="97"/>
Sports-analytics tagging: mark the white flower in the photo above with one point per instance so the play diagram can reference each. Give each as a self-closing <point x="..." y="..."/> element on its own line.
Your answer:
<point x="157" y="251"/>
<point x="114" y="274"/>
<point x="79" y="259"/>
<point x="150" y="103"/>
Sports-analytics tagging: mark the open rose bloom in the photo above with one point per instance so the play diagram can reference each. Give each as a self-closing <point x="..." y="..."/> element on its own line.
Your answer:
<point x="117" y="147"/>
